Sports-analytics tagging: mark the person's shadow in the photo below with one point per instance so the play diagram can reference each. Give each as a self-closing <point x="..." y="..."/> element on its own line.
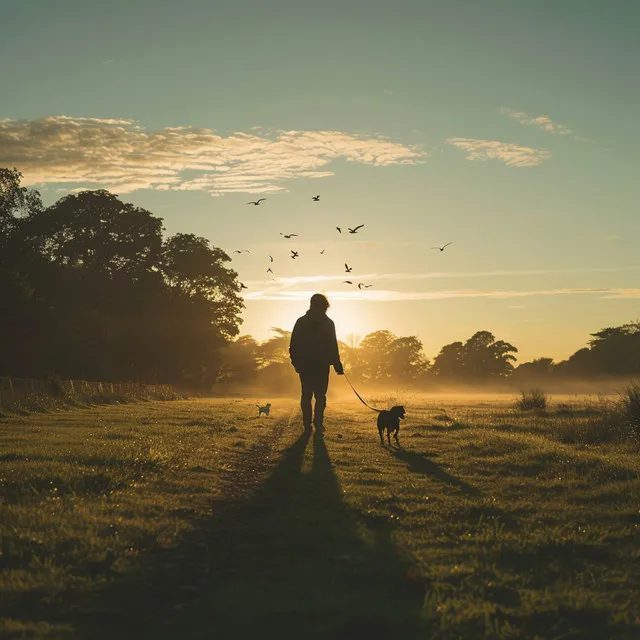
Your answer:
<point x="303" y="569"/>
<point x="295" y="561"/>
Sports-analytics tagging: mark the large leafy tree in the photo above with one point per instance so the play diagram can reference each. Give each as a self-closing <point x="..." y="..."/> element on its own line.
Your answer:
<point x="613" y="351"/>
<point x="480" y="357"/>
<point x="195" y="270"/>
<point x="374" y="351"/>
<point x="536" y="370"/>
<point x="406" y="358"/>
<point x="22" y="312"/>
<point x="95" y="292"/>
<point x="16" y="202"/>
<point x="97" y="231"/>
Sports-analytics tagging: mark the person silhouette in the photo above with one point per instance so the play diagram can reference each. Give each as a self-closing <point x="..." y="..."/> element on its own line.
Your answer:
<point x="313" y="350"/>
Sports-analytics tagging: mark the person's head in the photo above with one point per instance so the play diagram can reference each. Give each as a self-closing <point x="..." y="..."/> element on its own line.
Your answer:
<point x="319" y="303"/>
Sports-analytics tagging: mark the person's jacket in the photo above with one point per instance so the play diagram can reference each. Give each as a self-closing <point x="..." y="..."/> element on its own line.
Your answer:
<point x="314" y="343"/>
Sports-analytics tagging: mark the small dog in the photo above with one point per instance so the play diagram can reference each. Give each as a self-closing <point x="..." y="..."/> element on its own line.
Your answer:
<point x="390" y="420"/>
<point x="265" y="409"/>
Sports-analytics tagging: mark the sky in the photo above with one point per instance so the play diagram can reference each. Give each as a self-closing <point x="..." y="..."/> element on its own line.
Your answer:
<point x="509" y="129"/>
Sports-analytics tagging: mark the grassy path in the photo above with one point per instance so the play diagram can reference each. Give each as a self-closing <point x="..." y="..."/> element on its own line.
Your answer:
<point x="195" y="519"/>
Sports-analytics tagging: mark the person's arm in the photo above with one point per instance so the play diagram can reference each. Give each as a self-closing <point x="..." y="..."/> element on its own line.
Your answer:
<point x="337" y="364"/>
<point x="294" y="345"/>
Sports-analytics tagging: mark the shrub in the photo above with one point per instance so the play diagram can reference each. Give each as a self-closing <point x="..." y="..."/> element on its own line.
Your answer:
<point x="630" y="405"/>
<point x="533" y="400"/>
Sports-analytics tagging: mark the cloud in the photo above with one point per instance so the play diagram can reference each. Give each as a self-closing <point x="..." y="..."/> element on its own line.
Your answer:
<point x="292" y="281"/>
<point x="541" y="122"/>
<point x="513" y="155"/>
<point x="395" y="296"/>
<point x="123" y="156"/>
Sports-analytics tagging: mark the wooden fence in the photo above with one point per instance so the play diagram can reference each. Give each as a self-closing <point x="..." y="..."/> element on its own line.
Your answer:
<point x="17" y="389"/>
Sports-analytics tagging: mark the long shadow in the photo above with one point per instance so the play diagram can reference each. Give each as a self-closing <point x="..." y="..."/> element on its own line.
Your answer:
<point x="293" y="562"/>
<point x="419" y="463"/>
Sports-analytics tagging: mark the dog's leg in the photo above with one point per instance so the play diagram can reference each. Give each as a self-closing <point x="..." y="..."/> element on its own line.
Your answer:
<point x="381" y="438"/>
<point x="389" y="436"/>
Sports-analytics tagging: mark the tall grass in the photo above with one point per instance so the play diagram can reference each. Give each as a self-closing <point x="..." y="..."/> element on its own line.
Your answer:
<point x="23" y="395"/>
<point x="533" y="400"/>
<point x="630" y="403"/>
<point x="602" y="422"/>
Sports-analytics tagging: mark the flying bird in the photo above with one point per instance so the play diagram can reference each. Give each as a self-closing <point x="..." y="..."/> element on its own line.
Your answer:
<point x="355" y="229"/>
<point x="242" y="286"/>
<point x="242" y="251"/>
<point x="322" y="252"/>
<point x="256" y="202"/>
<point x="289" y="235"/>
<point x="347" y="282"/>
<point x="339" y="229"/>
<point x="442" y="248"/>
<point x="269" y="270"/>
<point x="347" y="268"/>
<point x="270" y="258"/>
<point x="294" y="254"/>
<point x="316" y="198"/>
<point x="362" y="285"/>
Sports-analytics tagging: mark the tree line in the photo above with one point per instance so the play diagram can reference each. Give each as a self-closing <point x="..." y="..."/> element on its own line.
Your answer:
<point x="90" y="288"/>
<point x="383" y="357"/>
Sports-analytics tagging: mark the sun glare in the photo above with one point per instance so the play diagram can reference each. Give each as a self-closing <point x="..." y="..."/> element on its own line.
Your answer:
<point x="350" y="319"/>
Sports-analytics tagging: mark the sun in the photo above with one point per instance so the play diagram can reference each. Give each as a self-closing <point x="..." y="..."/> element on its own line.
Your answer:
<point x="350" y="318"/>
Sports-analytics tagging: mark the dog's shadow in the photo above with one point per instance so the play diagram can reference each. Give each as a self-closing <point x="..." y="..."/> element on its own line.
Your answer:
<point x="420" y="463"/>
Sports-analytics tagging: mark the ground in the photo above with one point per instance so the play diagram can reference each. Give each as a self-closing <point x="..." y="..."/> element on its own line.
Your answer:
<point x="197" y="519"/>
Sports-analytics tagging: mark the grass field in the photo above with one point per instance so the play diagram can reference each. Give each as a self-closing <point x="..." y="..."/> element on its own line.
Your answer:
<point x="195" y="519"/>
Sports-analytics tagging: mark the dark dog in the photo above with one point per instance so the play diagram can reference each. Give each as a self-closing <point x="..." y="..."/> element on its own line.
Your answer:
<point x="390" y="420"/>
<point x="265" y="409"/>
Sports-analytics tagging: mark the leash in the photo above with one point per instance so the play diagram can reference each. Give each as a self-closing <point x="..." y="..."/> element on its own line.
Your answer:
<point x="359" y="396"/>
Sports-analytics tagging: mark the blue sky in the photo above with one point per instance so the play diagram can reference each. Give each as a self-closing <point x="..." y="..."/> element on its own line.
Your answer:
<point x="509" y="128"/>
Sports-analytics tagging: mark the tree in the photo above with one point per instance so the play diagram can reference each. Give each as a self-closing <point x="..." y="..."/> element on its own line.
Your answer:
<point x="97" y="231"/>
<point x="373" y="355"/>
<point x="275" y="350"/>
<point x="449" y="363"/>
<point x="613" y="351"/>
<point x="406" y="358"/>
<point x="239" y="362"/>
<point x="536" y="370"/>
<point x="194" y="269"/>
<point x="15" y="202"/>
<point x="94" y="292"/>
<point x="480" y="357"/>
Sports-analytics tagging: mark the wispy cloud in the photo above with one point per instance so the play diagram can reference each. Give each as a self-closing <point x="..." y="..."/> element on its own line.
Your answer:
<point x="290" y="282"/>
<point x="545" y="123"/>
<point x="513" y="155"/>
<point x="395" y="296"/>
<point x="541" y="122"/>
<point x="124" y="156"/>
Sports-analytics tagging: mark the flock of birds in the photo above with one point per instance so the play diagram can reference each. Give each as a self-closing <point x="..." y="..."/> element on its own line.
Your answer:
<point x="296" y="254"/>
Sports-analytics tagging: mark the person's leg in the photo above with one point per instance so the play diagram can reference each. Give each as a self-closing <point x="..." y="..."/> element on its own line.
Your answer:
<point x="320" y="385"/>
<point x="306" y="382"/>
